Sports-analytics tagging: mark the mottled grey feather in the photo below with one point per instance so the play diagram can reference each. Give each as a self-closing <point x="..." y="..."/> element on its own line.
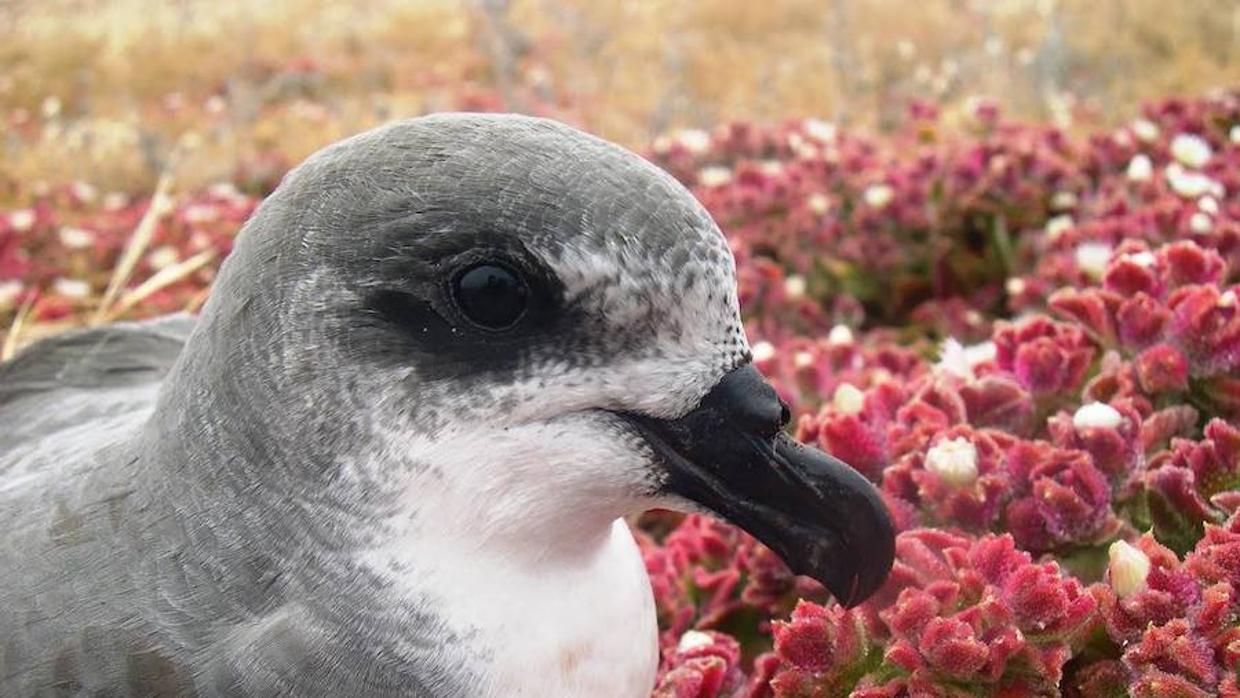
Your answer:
<point x="173" y="515"/>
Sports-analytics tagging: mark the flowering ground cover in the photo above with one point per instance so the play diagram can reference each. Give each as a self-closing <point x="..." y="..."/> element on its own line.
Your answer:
<point x="1029" y="340"/>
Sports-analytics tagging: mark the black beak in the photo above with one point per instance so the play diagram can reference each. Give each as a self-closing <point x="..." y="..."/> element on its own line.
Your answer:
<point x="822" y="517"/>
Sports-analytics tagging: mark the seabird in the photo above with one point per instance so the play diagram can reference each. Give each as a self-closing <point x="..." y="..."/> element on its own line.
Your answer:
<point x="392" y="454"/>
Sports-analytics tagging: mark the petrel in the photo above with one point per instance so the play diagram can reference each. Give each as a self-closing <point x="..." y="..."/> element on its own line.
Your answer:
<point x="392" y="455"/>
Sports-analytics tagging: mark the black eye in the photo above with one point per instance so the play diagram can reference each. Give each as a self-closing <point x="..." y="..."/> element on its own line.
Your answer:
<point x="492" y="296"/>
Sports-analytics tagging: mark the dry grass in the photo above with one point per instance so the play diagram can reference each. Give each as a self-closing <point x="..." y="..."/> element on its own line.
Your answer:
<point x="115" y="84"/>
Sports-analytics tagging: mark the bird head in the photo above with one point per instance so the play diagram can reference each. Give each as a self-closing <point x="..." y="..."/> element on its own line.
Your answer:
<point x="527" y="329"/>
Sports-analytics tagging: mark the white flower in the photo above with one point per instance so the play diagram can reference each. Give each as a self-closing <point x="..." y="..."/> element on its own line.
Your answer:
<point x="821" y="131"/>
<point x="1128" y="568"/>
<point x="693" y="639"/>
<point x="878" y="195"/>
<point x="954" y="461"/>
<point x="763" y="351"/>
<point x="22" y="219"/>
<point x="802" y="359"/>
<point x="906" y="49"/>
<point x="818" y="203"/>
<point x="1145" y="130"/>
<point x="848" y="399"/>
<point x="1059" y="225"/>
<point x="1140" y="168"/>
<point x="840" y="334"/>
<point x="225" y="190"/>
<point x="714" y="176"/>
<point x="201" y="213"/>
<point x="9" y="291"/>
<point x="76" y="238"/>
<point x="1093" y="257"/>
<point x="1200" y="223"/>
<point x="115" y="200"/>
<point x="1142" y="259"/>
<point x="952" y="359"/>
<point x="1015" y="286"/>
<point x="959" y="360"/>
<point x="85" y="192"/>
<point x="1190" y="150"/>
<point x="1096" y="415"/>
<point x="794" y="286"/>
<point x="1190" y="185"/>
<point x="1227" y="300"/>
<point x="51" y="107"/>
<point x="694" y="140"/>
<point x="1234" y="134"/>
<point x="1209" y="204"/>
<point x="1063" y="201"/>
<point x="980" y="352"/>
<point x="71" y="288"/>
<point x="163" y="257"/>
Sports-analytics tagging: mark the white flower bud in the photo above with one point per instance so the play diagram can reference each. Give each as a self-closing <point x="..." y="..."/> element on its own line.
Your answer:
<point x="1145" y="130"/>
<point x="1058" y="226"/>
<point x="1128" y="568"/>
<point x="795" y="286"/>
<point x="1096" y="415"/>
<point x="1140" y="169"/>
<point x="71" y="288"/>
<point x="1093" y="258"/>
<point x="954" y="461"/>
<point x="878" y="195"/>
<point x="763" y="351"/>
<point x="840" y="334"/>
<point x="1191" y="150"/>
<point x="693" y="639"/>
<point x="848" y="399"/>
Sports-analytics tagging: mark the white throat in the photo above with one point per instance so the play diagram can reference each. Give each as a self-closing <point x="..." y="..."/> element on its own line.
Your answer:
<point x="521" y="551"/>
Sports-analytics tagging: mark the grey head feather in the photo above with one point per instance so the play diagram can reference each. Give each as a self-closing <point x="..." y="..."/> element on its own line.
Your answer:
<point x="184" y="534"/>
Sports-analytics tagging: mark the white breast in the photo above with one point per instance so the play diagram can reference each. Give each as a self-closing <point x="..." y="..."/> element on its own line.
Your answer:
<point x="589" y="631"/>
<point x="583" y="626"/>
<point x="522" y="555"/>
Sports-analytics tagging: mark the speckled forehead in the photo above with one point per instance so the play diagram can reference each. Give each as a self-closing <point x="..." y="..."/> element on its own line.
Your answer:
<point x="672" y="278"/>
<point x="624" y="237"/>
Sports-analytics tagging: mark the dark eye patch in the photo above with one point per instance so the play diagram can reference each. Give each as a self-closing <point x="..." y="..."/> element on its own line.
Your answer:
<point x="455" y="310"/>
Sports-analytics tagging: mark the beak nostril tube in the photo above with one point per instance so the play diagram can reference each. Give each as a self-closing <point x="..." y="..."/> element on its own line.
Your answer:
<point x="745" y="398"/>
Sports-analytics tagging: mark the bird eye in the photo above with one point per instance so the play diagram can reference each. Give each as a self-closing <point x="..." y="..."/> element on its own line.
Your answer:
<point x="491" y="296"/>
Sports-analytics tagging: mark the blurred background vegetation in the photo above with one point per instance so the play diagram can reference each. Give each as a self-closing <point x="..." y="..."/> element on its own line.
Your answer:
<point x="114" y="92"/>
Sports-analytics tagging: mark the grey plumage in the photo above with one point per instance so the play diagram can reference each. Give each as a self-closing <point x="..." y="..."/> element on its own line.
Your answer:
<point x="175" y="515"/>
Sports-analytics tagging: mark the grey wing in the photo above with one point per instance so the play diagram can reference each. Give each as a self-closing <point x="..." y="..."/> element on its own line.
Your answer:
<point x="82" y="375"/>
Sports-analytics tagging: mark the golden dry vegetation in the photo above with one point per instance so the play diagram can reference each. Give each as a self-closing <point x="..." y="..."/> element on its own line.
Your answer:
<point x="112" y="91"/>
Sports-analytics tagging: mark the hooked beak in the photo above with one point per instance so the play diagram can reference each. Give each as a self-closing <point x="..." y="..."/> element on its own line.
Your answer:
<point x="729" y="455"/>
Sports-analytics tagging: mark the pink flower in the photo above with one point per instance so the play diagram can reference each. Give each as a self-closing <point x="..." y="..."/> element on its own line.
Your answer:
<point x="1062" y="498"/>
<point x="1046" y="357"/>
<point x="1162" y="369"/>
<point x="959" y="479"/>
<point x="1168" y="592"/>
<point x="1193" y="480"/>
<point x="1205" y="325"/>
<point x="1113" y="443"/>
<point x="706" y="665"/>
<point x="1172" y="659"/>
<point x="819" y="647"/>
